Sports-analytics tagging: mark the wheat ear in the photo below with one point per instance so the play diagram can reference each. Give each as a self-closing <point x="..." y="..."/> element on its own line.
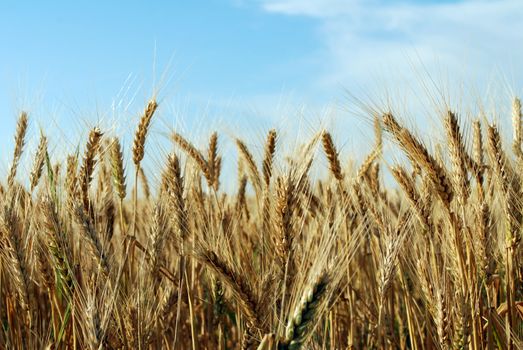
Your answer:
<point x="332" y="155"/>
<point x="193" y="153"/>
<point x="141" y="132"/>
<point x="242" y="292"/>
<point x="88" y="165"/>
<point x="254" y="174"/>
<point x="213" y="161"/>
<point x="118" y="169"/>
<point x="270" y="147"/>
<point x="38" y="164"/>
<point x="419" y="155"/>
<point x="516" y="125"/>
<point x="305" y="315"/>
<point x="21" y="129"/>
<point x="458" y="156"/>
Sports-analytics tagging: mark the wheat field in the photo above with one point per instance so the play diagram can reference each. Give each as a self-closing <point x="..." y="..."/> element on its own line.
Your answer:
<point x="421" y="252"/>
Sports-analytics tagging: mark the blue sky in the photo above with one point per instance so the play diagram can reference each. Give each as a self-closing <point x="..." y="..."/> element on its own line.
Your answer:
<point x="236" y="64"/>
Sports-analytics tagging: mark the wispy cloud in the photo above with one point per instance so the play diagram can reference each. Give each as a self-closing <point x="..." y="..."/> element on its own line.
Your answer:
<point x="384" y="40"/>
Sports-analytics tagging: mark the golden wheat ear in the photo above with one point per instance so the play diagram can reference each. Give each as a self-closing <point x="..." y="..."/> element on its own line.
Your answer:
<point x="516" y="125"/>
<point x="419" y="156"/>
<point x="477" y="155"/>
<point x="409" y="189"/>
<point x="118" y="169"/>
<point x="270" y="148"/>
<point x="241" y="290"/>
<point x="193" y="153"/>
<point x="459" y="157"/>
<point x="247" y="156"/>
<point x="38" y="164"/>
<point x="88" y="165"/>
<point x="213" y="161"/>
<point x="332" y="156"/>
<point x="141" y="132"/>
<point x="21" y="130"/>
<point x="175" y="188"/>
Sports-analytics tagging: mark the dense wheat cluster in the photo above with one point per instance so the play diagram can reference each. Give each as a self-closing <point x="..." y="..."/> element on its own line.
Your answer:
<point x="419" y="253"/>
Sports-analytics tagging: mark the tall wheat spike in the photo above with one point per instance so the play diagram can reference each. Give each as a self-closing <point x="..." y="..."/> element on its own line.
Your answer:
<point x="141" y="132"/>
<point x="38" y="164"/>
<point x="21" y="129"/>
<point x="88" y="165"/>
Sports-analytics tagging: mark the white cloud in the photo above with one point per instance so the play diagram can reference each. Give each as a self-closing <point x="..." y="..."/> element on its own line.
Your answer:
<point x="386" y="41"/>
<point x="312" y="8"/>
